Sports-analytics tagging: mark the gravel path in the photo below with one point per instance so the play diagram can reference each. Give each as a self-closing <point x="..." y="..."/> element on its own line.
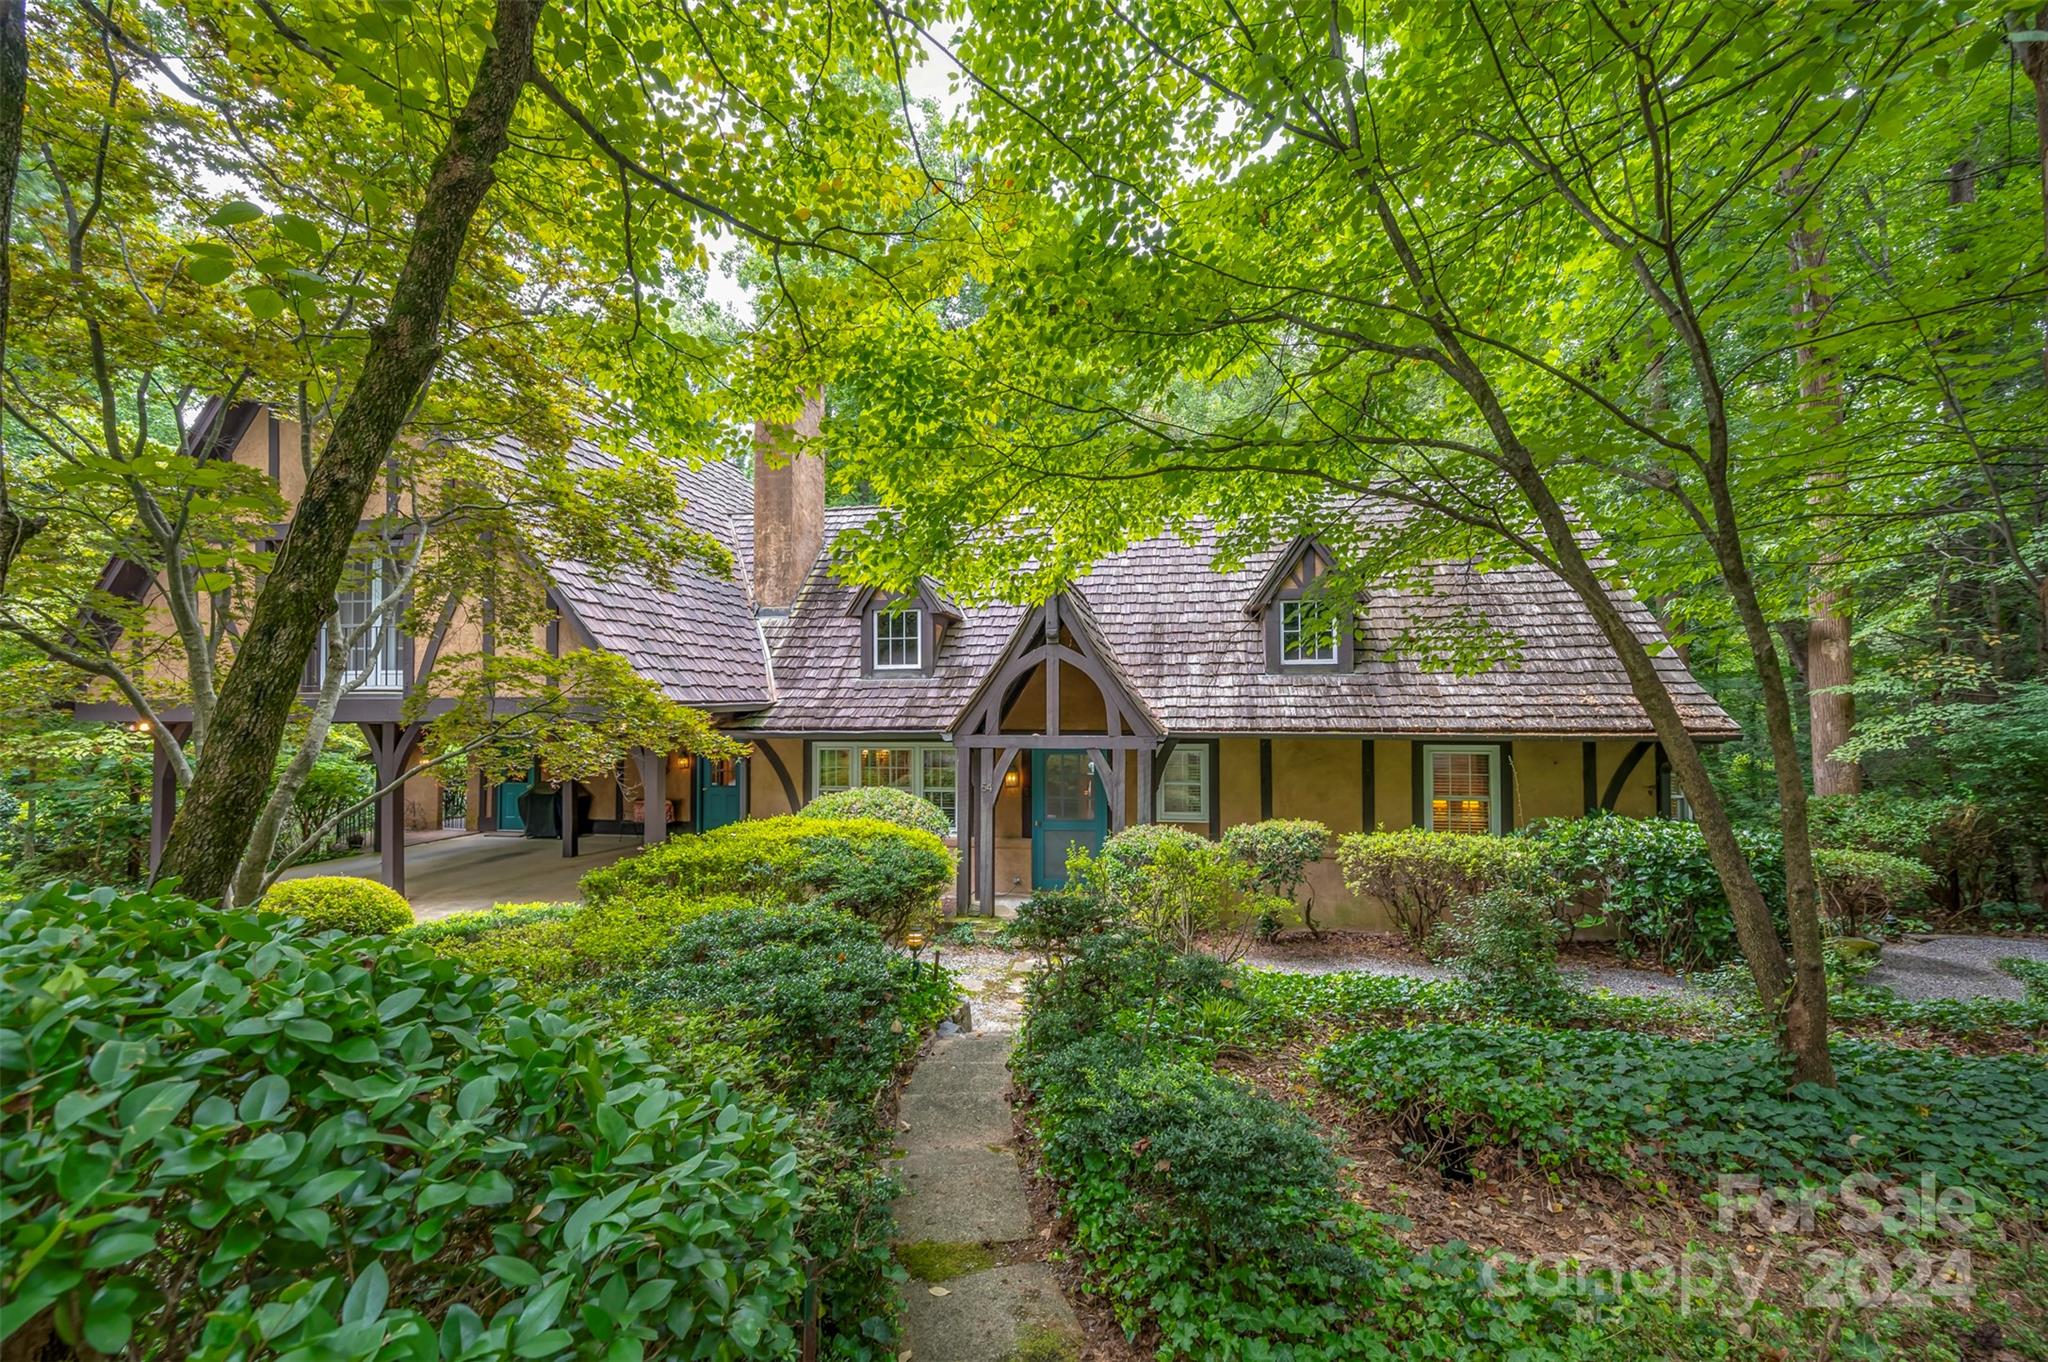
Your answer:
<point x="1636" y="983"/>
<point x="1955" y="966"/>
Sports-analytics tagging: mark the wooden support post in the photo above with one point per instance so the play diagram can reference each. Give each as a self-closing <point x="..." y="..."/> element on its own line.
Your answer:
<point x="985" y="845"/>
<point x="568" y="817"/>
<point x="963" y="829"/>
<point x="653" y="768"/>
<point x="163" y="799"/>
<point x="390" y="745"/>
<point x="1146" y="778"/>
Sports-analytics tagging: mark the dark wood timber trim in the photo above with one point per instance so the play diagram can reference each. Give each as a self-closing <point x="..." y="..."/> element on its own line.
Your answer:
<point x="1415" y="771"/>
<point x="1622" y="773"/>
<point x="1265" y="779"/>
<point x="1368" y="777"/>
<point x="1589" y="763"/>
<point x="775" y="764"/>
<point x="276" y="455"/>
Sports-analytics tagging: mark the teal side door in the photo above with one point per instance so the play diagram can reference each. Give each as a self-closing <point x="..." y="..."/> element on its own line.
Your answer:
<point x="717" y="791"/>
<point x="509" y="817"/>
<point x="1068" y="809"/>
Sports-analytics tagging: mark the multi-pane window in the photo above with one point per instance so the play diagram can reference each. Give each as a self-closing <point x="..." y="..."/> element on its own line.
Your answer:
<point x="1184" y="786"/>
<point x="835" y="770"/>
<point x="1308" y="633"/>
<point x="896" y="639"/>
<point x="1463" y="789"/>
<point x="924" y="769"/>
<point x="373" y="660"/>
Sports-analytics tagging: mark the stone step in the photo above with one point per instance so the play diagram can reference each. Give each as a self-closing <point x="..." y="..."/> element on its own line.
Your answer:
<point x="989" y="1316"/>
<point x="961" y="1196"/>
<point x="952" y="1120"/>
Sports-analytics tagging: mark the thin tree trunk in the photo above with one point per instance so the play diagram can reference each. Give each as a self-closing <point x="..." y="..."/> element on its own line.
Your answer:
<point x="15" y="529"/>
<point x="1831" y="708"/>
<point x="228" y="790"/>
<point x="2033" y="55"/>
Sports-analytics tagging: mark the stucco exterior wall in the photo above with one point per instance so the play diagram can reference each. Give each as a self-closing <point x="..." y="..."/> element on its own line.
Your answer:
<point x="765" y="796"/>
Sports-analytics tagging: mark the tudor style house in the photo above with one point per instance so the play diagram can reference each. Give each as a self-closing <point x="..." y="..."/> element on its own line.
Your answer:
<point x="1156" y="688"/>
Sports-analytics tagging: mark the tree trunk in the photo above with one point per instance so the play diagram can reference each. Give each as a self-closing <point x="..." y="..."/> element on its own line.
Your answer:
<point x="1831" y="708"/>
<point x="15" y="529"/>
<point x="228" y="790"/>
<point x="2033" y="55"/>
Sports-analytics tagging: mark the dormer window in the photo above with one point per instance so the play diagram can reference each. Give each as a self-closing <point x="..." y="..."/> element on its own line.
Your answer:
<point x="898" y="639"/>
<point x="1308" y="634"/>
<point x="1306" y="630"/>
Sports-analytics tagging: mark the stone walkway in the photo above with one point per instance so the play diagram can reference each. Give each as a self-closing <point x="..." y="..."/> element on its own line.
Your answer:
<point x="964" y="1217"/>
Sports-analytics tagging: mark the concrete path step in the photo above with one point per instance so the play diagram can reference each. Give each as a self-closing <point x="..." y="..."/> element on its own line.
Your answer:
<point x="964" y="1199"/>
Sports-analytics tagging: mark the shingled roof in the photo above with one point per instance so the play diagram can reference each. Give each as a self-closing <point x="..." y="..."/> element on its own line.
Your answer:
<point x="694" y="636"/>
<point x="1172" y="627"/>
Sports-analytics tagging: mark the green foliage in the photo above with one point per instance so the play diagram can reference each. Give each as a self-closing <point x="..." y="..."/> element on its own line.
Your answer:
<point x="1213" y="1214"/>
<point x="1280" y="851"/>
<point x="884" y="804"/>
<point x="930" y="1260"/>
<point x="1177" y="886"/>
<point x="829" y="1013"/>
<point x="74" y="802"/>
<point x="1503" y="943"/>
<point x="841" y="1009"/>
<point x="243" y="1138"/>
<point x="1858" y="889"/>
<point x="546" y="948"/>
<point x="339" y="903"/>
<point x="1056" y="919"/>
<point x="887" y="874"/>
<point x="1423" y="876"/>
<point x="1652" y="880"/>
<point x="1627" y="1104"/>
<point x="340" y="777"/>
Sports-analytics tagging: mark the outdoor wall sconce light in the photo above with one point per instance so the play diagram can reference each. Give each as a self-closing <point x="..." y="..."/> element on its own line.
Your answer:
<point x="1010" y="779"/>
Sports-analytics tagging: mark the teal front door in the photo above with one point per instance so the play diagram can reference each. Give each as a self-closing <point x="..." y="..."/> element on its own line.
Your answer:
<point x="1067" y="810"/>
<point x="717" y="793"/>
<point x="509" y="817"/>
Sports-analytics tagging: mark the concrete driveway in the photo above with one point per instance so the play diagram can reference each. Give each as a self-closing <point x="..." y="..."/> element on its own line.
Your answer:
<point x="446" y="875"/>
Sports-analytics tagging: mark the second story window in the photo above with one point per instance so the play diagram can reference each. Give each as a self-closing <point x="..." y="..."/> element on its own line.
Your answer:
<point x="1308" y="634"/>
<point x="896" y="640"/>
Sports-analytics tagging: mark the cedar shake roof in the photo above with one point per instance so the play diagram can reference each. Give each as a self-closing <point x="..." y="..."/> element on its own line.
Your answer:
<point x="1172" y="629"/>
<point x="695" y="636"/>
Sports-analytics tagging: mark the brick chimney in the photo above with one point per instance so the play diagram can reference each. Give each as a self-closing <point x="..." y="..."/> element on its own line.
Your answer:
<point x="789" y="506"/>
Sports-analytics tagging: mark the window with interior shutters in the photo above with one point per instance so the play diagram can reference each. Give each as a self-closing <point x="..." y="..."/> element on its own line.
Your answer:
<point x="1184" y="786"/>
<point x="1463" y="789"/>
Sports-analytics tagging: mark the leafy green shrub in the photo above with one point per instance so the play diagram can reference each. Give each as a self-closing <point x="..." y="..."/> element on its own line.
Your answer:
<point x="1280" y="851"/>
<point x="1055" y="919"/>
<point x="1422" y="876"/>
<point x="238" y="1137"/>
<point x="837" y="1009"/>
<point x="1503" y="943"/>
<point x="1651" y="878"/>
<point x="882" y="873"/>
<point x="546" y="948"/>
<point x="829" y="1013"/>
<point x="1622" y="1103"/>
<point x="1860" y="888"/>
<point x="1212" y="1213"/>
<point x="882" y="804"/>
<point x="339" y="903"/>
<point x="1178" y="887"/>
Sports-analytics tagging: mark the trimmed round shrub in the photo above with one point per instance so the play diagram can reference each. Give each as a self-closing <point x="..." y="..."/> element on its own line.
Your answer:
<point x="1423" y="876"/>
<point x="881" y="872"/>
<point x="1859" y="888"/>
<point x="1129" y="857"/>
<point x="884" y="804"/>
<point x="236" y="1137"/>
<point x="343" y="903"/>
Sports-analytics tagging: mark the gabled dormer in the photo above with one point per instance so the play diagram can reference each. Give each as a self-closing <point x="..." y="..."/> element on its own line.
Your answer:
<point x="900" y="634"/>
<point x="1305" y="631"/>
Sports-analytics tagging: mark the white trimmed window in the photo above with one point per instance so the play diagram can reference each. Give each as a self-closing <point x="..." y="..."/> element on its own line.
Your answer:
<point x="1308" y="633"/>
<point x="1461" y="789"/>
<point x="1184" y="785"/>
<point x="896" y="640"/>
<point x="924" y="769"/>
